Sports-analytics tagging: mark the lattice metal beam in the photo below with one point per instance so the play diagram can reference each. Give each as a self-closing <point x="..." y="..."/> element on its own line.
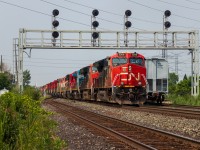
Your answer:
<point x="70" y="39"/>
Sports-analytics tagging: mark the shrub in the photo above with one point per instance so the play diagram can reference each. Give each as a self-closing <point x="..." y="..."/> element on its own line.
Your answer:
<point x="32" y="92"/>
<point x="25" y="125"/>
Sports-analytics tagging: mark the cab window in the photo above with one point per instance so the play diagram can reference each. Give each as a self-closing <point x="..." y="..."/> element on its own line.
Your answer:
<point x="137" y="61"/>
<point x="94" y="69"/>
<point x="119" y="61"/>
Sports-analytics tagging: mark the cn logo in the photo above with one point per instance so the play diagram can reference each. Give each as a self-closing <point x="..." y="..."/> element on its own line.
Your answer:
<point x="132" y="75"/>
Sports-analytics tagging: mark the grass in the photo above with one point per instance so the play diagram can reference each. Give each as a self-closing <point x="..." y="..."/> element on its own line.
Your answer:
<point x="25" y="125"/>
<point x="184" y="100"/>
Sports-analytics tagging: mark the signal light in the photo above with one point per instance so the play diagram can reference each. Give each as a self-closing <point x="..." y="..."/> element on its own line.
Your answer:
<point x="95" y="24"/>
<point x="128" y="24"/>
<point x="55" y="34"/>
<point x="167" y="13"/>
<point x="167" y="24"/>
<point x="55" y="12"/>
<point x="128" y="13"/>
<point x="95" y="35"/>
<point x="95" y="12"/>
<point x="55" y="23"/>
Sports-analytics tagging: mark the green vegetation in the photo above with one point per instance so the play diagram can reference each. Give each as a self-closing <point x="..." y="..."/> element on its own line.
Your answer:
<point x="26" y="77"/>
<point x="24" y="124"/>
<point x="184" y="100"/>
<point x="5" y="81"/>
<point x="180" y="92"/>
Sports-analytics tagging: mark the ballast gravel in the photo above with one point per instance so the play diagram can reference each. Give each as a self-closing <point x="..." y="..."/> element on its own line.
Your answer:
<point x="79" y="138"/>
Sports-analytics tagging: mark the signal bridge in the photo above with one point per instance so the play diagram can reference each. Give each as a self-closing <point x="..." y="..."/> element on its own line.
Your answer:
<point x="119" y="40"/>
<point x="69" y="39"/>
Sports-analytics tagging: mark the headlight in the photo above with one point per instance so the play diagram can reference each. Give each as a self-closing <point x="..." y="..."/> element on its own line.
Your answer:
<point x="122" y="83"/>
<point x="139" y="83"/>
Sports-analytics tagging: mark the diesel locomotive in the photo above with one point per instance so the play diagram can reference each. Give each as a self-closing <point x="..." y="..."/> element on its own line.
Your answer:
<point x="120" y="78"/>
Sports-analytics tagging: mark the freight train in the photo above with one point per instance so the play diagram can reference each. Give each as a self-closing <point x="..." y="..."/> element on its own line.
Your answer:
<point x="120" y="78"/>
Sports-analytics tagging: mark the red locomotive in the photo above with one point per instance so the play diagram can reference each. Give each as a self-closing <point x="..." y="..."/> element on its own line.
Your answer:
<point x="120" y="78"/>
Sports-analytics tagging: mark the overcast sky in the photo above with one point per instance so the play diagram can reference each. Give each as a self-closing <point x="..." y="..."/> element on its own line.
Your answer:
<point x="48" y="65"/>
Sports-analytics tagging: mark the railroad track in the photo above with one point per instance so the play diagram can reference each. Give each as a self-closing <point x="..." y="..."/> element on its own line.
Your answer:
<point x="172" y="111"/>
<point x="127" y="135"/>
<point x="183" y="106"/>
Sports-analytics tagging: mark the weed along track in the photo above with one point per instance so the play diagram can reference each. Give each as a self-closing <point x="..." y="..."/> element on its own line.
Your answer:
<point x="123" y="134"/>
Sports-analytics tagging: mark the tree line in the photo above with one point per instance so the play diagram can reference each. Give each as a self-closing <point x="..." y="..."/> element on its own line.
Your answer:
<point x="6" y="79"/>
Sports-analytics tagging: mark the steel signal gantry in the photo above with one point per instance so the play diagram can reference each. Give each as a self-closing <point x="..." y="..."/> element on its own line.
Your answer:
<point x="140" y="40"/>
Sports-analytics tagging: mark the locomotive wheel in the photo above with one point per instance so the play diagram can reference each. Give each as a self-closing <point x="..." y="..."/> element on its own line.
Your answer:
<point x="159" y="100"/>
<point x="142" y="100"/>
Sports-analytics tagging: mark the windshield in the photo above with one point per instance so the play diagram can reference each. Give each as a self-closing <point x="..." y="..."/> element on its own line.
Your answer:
<point x="138" y="61"/>
<point x="119" y="61"/>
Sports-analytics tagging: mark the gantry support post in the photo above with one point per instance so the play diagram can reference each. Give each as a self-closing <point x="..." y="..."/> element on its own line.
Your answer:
<point x="195" y="66"/>
<point x="20" y="61"/>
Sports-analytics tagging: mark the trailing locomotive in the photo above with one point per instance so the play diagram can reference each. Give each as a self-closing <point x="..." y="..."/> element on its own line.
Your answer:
<point x="120" y="78"/>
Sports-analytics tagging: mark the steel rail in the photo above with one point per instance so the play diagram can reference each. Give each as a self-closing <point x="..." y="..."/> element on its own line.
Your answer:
<point x="131" y="142"/>
<point x="175" y="137"/>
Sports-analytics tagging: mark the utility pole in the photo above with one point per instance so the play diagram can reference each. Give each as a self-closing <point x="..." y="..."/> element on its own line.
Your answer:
<point x="15" y="60"/>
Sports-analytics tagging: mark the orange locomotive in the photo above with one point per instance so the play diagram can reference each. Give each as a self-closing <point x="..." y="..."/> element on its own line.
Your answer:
<point x="120" y="78"/>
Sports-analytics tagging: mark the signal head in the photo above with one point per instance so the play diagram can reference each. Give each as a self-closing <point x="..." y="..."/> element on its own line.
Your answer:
<point x="167" y="24"/>
<point x="55" y="12"/>
<point x="128" y="24"/>
<point x="167" y="13"/>
<point x="55" y="23"/>
<point x="95" y="35"/>
<point x="95" y="24"/>
<point x="55" y="34"/>
<point x="128" y="13"/>
<point x="95" y="12"/>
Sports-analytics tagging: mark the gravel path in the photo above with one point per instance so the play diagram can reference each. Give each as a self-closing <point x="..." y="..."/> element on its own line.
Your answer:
<point x="80" y="138"/>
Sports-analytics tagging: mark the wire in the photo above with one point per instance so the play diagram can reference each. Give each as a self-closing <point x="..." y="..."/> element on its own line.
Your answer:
<point x="192" y="2"/>
<point x="139" y="19"/>
<point x="43" y="13"/>
<point x="66" y="59"/>
<point x="162" y="11"/>
<point x="177" y="5"/>
<point x="56" y="63"/>
<point x="81" y="12"/>
<point x="61" y="59"/>
<point x="113" y="14"/>
<point x="94" y="8"/>
<point x="53" y="67"/>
